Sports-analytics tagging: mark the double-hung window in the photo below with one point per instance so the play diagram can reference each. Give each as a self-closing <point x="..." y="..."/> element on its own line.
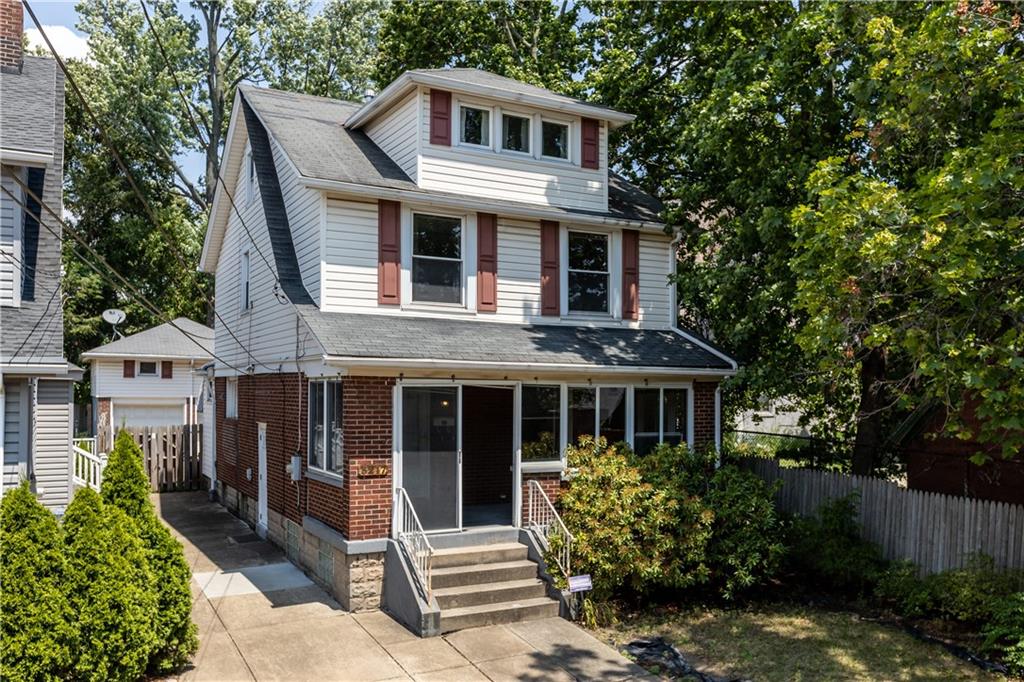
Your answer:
<point x="436" y="259"/>
<point x="231" y="399"/>
<point x="554" y="140"/>
<point x="541" y="423"/>
<point x="588" y="272"/>
<point x="326" y="444"/>
<point x="597" y="412"/>
<point x="659" y="416"/>
<point x="515" y="133"/>
<point x="475" y="126"/>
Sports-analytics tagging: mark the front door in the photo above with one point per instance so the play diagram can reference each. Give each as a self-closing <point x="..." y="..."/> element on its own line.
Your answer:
<point x="431" y="455"/>
<point x="261" y="514"/>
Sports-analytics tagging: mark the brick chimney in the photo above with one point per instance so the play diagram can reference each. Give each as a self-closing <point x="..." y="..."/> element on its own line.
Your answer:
<point x="12" y="20"/>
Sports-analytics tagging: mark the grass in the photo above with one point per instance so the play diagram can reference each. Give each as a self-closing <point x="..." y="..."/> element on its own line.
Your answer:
<point x="788" y="642"/>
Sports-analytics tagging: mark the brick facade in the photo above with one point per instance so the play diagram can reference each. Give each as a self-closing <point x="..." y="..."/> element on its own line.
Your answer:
<point x="703" y="414"/>
<point x="11" y="22"/>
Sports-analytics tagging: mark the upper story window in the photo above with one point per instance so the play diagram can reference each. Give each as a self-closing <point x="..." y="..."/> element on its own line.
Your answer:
<point x="147" y="368"/>
<point x="554" y="141"/>
<point x="244" y="278"/>
<point x="436" y="259"/>
<point x="588" y="272"/>
<point x="515" y="133"/>
<point x="325" y="431"/>
<point x="475" y="126"/>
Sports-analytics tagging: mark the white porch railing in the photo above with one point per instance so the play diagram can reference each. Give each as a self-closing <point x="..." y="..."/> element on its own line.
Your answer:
<point x="88" y="464"/>
<point x="543" y="520"/>
<point x="413" y="539"/>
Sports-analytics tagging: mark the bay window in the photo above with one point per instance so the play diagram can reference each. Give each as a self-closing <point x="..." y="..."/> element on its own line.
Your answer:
<point x="436" y="259"/>
<point x="326" y="442"/>
<point x="588" y="272"/>
<point x="541" y="423"/>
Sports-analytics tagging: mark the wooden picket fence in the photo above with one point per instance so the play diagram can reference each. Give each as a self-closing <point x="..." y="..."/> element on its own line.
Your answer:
<point x="172" y="456"/>
<point x="936" y="532"/>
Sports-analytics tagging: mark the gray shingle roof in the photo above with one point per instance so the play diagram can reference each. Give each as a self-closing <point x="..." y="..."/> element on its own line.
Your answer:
<point x="416" y="338"/>
<point x="312" y="133"/>
<point x="27" y="102"/>
<point x="162" y="341"/>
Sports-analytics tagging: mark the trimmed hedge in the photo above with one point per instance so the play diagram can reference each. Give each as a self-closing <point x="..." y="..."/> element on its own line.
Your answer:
<point x="38" y="625"/>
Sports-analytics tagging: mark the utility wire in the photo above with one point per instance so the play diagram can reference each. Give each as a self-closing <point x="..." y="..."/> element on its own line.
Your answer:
<point x="124" y="284"/>
<point x="171" y="243"/>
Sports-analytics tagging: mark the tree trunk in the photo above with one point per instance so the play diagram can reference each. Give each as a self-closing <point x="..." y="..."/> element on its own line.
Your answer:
<point x="869" y="414"/>
<point x="215" y="83"/>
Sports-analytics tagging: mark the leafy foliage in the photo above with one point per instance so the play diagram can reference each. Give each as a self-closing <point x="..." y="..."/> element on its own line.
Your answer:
<point x="125" y="486"/>
<point x="111" y="588"/>
<point x="37" y="630"/>
<point x="1005" y="631"/>
<point x="828" y="548"/>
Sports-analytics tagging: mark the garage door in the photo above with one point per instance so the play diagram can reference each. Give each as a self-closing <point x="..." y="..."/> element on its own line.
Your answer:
<point x="148" y="415"/>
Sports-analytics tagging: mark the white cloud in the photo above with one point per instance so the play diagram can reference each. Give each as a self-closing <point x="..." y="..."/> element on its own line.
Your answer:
<point x="68" y="44"/>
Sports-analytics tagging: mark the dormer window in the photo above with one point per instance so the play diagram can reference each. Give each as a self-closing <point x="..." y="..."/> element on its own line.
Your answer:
<point x="475" y="126"/>
<point x="554" y="140"/>
<point x="436" y="259"/>
<point x="515" y="133"/>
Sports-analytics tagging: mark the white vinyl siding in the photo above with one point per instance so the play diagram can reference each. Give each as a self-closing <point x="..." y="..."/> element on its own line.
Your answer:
<point x="302" y="205"/>
<point x="108" y="381"/>
<point x="655" y="290"/>
<point x="16" y="433"/>
<point x="518" y="268"/>
<point x="350" y="261"/>
<point x="52" y="440"/>
<point x="508" y="175"/>
<point x="268" y="329"/>
<point x="395" y="134"/>
<point x="11" y="229"/>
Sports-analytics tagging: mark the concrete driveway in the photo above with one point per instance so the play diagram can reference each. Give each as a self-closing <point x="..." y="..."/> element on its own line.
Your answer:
<point x="261" y="618"/>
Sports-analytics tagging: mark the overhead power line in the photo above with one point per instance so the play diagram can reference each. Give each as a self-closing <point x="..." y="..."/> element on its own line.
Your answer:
<point x="171" y="242"/>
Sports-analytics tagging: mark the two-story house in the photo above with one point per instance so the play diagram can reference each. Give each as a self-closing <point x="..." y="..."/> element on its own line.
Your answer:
<point x="36" y="400"/>
<point x="424" y="298"/>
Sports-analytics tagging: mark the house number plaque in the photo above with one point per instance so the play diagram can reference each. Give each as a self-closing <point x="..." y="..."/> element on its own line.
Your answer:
<point x="374" y="470"/>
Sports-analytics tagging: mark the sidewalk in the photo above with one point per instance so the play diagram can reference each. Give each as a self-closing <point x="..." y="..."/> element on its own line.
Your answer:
<point x="261" y="618"/>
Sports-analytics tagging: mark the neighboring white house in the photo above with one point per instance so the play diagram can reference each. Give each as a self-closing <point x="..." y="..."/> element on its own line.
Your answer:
<point x="772" y="416"/>
<point x="151" y="378"/>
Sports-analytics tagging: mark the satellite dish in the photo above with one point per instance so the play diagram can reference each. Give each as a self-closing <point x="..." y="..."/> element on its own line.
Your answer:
<point x="113" y="316"/>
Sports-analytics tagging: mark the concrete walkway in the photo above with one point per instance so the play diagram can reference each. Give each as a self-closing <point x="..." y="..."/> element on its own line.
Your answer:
<point x="261" y="618"/>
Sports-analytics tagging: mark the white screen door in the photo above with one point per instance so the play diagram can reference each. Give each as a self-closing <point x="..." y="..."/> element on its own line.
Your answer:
<point x="430" y="454"/>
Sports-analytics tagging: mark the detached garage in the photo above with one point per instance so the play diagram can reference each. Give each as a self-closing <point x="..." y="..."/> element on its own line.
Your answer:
<point x="149" y="379"/>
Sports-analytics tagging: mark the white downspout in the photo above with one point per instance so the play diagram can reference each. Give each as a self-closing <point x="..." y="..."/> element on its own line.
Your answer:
<point x="718" y="426"/>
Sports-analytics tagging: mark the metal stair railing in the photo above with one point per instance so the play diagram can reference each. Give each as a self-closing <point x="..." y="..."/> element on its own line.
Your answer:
<point x="543" y="521"/>
<point x="413" y="540"/>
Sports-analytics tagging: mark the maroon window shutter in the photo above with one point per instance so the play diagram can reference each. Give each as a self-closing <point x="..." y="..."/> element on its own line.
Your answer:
<point x="389" y="253"/>
<point x="590" y="143"/>
<point x="550" y="301"/>
<point x="487" y="262"/>
<point x="166" y="369"/>
<point x="129" y="369"/>
<point x="440" y="117"/>
<point x="630" y="275"/>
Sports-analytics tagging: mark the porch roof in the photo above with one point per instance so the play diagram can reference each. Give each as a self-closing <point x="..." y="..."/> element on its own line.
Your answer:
<point x="404" y="338"/>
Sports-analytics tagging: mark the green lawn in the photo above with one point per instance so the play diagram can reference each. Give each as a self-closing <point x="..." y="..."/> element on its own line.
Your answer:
<point x="785" y="642"/>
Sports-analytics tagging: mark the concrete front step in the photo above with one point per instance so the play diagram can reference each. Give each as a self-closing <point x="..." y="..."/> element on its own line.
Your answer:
<point x="476" y="574"/>
<point x="479" y="554"/>
<point x="493" y="593"/>
<point x="495" y="614"/>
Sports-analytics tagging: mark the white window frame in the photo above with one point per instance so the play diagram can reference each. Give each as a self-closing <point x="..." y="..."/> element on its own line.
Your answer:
<point x="570" y="147"/>
<point x="250" y="175"/>
<point x="661" y="388"/>
<point x="614" y="265"/>
<point x="140" y="373"/>
<point x="16" y="254"/>
<point x="460" y="105"/>
<point x="500" y="142"/>
<point x="314" y="471"/>
<point x="245" y="280"/>
<point x="231" y="398"/>
<point x="467" y="249"/>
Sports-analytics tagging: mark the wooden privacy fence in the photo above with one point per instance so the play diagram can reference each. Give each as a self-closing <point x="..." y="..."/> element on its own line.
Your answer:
<point x="171" y="455"/>
<point x="936" y="532"/>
